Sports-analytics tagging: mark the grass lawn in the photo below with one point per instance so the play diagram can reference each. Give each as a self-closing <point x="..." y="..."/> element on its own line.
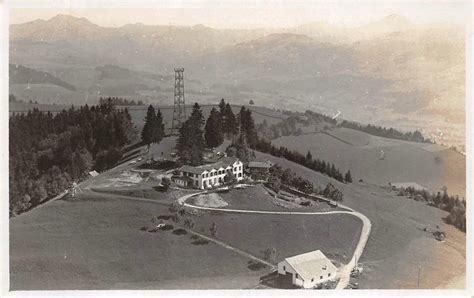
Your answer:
<point x="97" y="244"/>
<point x="336" y="235"/>
<point x="256" y="198"/>
<point x="397" y="244"/>
<point x="404" y="161"/>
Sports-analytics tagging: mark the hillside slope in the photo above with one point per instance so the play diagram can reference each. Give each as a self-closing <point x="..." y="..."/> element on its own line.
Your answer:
<point x="20" y="74"/>
<point x="398" y="246"/>
<point x="430" y="165"/>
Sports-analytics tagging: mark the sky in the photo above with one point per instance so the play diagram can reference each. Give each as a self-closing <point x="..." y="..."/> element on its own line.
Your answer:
<point x="244" y="13"/>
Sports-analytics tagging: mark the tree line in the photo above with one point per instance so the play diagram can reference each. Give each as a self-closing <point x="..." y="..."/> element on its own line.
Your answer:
<point x="279" y="177"/>
<point x="391" y="133"/>
<point x="291" y="126"/>
<point x="48" y="152"/>
<point x="196" y="135"/>
<point x="307" y="161"/>
<point x="118" y="101"/>
<point x="442" y="200"/>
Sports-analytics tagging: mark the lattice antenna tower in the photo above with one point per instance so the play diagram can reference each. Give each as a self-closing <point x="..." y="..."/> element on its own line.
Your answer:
<point x="179" y="113"/>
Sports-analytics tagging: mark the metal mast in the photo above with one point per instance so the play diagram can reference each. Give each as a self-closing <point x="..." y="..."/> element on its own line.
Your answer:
<point x="179" y="113"/>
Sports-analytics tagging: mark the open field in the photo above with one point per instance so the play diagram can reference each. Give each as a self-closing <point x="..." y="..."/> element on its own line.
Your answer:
<point x="102" y="242"/>
<point x="96" y="243"/>
<point x="431" y="166"/>
<point x="397" y="232"/>
<point x="257" y="198"/>
<point x="336" y="234"/>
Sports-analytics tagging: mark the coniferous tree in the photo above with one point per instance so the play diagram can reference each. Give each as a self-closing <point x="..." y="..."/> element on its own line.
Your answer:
<point x="191" y="144"/>
<point x="213" y="129"/>
<point x="158" y="128"/>
<point x="148" y="130"/>
<point x="348" y="177"/>
<point x="48" y="153"/>
<point x="222" y="109"/>
<point x="309" y="157"/>
<point x="230" y="123"/>
<point x="247" y="126"/>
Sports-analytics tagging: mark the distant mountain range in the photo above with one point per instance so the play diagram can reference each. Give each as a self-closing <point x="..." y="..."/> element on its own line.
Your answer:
<point x="390" y="71"/>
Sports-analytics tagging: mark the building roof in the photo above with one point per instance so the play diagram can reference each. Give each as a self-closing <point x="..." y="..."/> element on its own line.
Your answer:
<point x="222" y="163"/>
<point x="190" y="169"/>
<point x="311" y="264"/>
<point x="260" y="164"/>
<point x="183" y="178"/>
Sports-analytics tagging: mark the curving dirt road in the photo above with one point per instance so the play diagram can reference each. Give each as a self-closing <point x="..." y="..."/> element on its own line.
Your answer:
<point x="344" y="271"/>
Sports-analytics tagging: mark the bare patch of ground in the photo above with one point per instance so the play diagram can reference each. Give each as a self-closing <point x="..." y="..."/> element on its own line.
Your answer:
<point x="209" y="200"/>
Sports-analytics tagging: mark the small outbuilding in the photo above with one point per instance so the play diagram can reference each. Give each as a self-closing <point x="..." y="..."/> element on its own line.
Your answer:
<point x="308" y="270"/>
<point x="259" y="169"/>
<point x="94" y="173"/>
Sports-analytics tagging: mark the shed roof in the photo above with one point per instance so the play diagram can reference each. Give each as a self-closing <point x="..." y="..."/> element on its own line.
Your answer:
<point x="311" y="264"/>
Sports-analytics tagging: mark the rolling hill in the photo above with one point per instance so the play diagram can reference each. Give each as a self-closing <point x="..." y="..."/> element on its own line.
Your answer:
<point x="20" y="74"/>
<point x="431" y="166"/>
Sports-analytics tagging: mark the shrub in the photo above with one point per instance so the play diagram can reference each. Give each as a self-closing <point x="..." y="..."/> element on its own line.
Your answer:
<point x="165" y="217"/>
<point x="180" y="232"/>
<point x="200" y="241"/>
<point x="269" y="254"/>
<point x="166" y="227"/>
<point x="213" y="229"/>
<point x="188" y="222"/>
<point x="165" y="183"/>
<point x="255" y="266"/>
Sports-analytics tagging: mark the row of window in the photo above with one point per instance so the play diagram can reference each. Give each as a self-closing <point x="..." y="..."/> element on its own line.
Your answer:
<point x="312" y="279"/>
<point x="207" y="175"/>
<point x="321" y="277"/>
<point x="220" y="172"/>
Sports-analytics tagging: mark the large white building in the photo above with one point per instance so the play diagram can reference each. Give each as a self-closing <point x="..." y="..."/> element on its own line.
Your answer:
<point x="308" y="270"/>
<point x="210" y="175"/>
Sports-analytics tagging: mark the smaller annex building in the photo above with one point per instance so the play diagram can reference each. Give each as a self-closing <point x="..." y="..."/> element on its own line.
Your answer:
<point x="308" y="270"/>
<point x="210" y="175"/>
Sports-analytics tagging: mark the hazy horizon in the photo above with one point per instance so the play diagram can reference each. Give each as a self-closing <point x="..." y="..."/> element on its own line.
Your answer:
<point x="256" y="15"/>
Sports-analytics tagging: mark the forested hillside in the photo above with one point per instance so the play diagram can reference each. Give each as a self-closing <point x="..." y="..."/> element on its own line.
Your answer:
<point x="48" y="152"/>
